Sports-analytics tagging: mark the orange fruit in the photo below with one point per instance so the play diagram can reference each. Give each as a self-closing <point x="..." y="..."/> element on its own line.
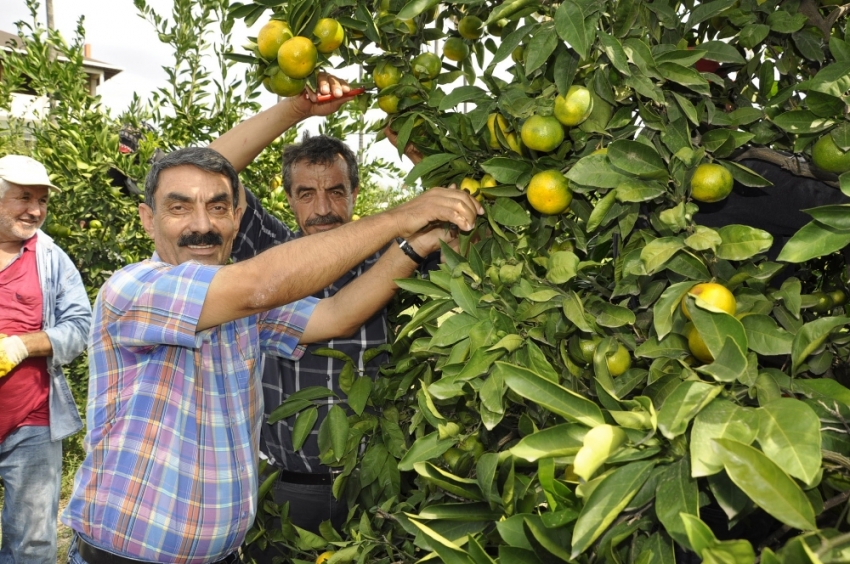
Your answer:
<point x="330" y="34"/>
<point x="714" y="294"/>
<point x="518" y="54"/>
<point x="542" y="133"/>
<point x="426" y="65"/>
<point x="495" y="28"/>
<point x="324" y="557"/>
<point x="297" y="57"/>
<point x="829" y="157"/>
<point x="696" y="345"/>
<point x="587" y="348"/>
<point x="711" y="183"/>
<point x="549" y="192"/>
<point x="472" y="186"/>
<point x="283" y="85"/>
<point x="470" y="27"/>
<point x="271" y="37"/>
<point x="388" y="103"/>
<point x="386" y="74"/>
<point x="492" y="119"/>
<point x="575" y="107"/>
<point x="455" y="49"/>
<point x="619" y="362"/>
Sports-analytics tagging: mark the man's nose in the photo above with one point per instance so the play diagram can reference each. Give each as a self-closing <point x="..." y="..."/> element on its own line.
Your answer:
<point x="36" y="208"/>
<point x="200" y="220"/>
<point x="323" y="203"/>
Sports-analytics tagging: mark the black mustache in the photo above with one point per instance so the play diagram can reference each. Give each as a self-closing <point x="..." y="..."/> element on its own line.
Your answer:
<point x="197" y="239"/>
<point x="328" y="219"/>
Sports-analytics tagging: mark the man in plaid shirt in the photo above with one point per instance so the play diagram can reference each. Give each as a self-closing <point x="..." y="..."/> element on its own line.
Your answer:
<point x="321" y="180"/>
<point x="174" y="408"/>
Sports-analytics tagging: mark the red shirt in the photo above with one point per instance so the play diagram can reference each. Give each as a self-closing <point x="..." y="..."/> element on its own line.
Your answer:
<point x="24" y="392"/>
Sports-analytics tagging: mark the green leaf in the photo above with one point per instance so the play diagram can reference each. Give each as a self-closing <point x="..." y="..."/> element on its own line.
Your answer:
<point x="562" y="267"/>
<point x="574" y="311"/>
<point x="614" y="50"/>
<point x="415" y="7"/>
<point x="741" y="242"/>
<point x="463" y="487"/>
<point x="699" y="534"/>
<point x="683" y="404"/>
<point x="429" y="164"/>
<point x="813" y="240"/>
<point x="606" y="502"/>
<point x="781" y="21"/>
<point x="509" y="213"/>
<point x="311" y="393"/>
<point x="704" y="239"/>
<point x="753" y="34"/>
<point x="810" y="337"/>
<point x="730" y="365"/>
<point x="288" y="408"/>
<point x="464" y="296"/>
<point x="675" y="494"/>
<point x="549" y="395"/>
<point x="453" y="329"/>
<point x="540" y="48"/>
<point x="425" y="448"/>
<point x="560" y="440"/>
<point x="719" y="419"/>
<point x="662" y="311"/>
<point x="596" y="171"/>
<point x="765" y="336"/>
<point x="421" y="287"/>
<point x="672" y="346"/>
<point x="359" y="394"/>
<point x="716" y="326"/>
<point x="658" y="251"/>
<point x="371" y="464"/>
<point x="569" y="24"/>
<point x="721" y="52"/>
<point x="505" y="170"/>
<point x="485" y="472"/>
<point x="639" y="191"/>
<point x="449" y="552"/>
<point x="338" y="421"/>
<point x="836" y="217"/>
<point x="789" y="434"/>
<point x="303" y="425"/>
<point x="460" y="512"/>
<point x="462" y="94"/>
<point x="615" y="316"/>
<point x="685" y="76"/>
<point x="802" y="121"/>
<point x="705" y="11"/>
<point x="637" y="159"/>
<point x="546" y="540"/>
<point x="766" y="484"/>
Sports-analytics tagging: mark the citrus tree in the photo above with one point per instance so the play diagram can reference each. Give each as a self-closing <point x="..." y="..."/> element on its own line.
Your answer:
<point x="596" y="377"/>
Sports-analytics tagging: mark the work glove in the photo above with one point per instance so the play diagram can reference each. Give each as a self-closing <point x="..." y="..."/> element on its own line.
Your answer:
<point x="12" y="353"/>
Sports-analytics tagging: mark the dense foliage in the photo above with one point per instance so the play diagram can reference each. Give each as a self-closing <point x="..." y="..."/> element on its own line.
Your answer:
<point x="511" y="426"/>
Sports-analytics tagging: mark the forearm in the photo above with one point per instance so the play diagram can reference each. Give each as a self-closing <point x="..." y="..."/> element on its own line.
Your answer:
<point x="342" y="314"/>
<point x="243" y="143"/>
<point x="37" y="344"/>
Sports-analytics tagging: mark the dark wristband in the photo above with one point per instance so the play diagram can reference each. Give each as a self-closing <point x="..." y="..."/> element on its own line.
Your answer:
<point x="408" y="250"/>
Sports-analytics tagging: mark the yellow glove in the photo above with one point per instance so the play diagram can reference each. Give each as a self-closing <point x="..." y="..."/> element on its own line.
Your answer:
<point x="12" y="353"/>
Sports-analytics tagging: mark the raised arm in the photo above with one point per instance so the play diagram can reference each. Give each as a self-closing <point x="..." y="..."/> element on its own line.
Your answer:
<point x="299" y="268"/>
<point x="243" y="143"/>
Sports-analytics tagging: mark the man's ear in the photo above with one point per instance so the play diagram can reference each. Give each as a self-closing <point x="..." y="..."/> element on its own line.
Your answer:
<point x="237" y="213"/>
<point x="146" y="215"/>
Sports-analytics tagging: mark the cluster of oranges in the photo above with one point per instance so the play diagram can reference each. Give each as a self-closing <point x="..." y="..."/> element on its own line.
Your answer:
<point x="293" y="58"/>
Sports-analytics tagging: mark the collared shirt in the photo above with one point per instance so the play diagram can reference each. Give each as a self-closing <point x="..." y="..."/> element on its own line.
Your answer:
<point x="283" y="377"/>
<point x="173" y="416"/>
<point x="24" y="391"/>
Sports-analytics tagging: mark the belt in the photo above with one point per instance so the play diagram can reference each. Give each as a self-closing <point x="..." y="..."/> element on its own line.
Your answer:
<point x="308" y="479"/>
<point x="93" y="555"/>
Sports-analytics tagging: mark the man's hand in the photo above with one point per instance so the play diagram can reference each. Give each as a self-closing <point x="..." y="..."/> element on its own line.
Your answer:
<point x="410" y="150"/>
<point x="12" y="353"/>
<point x="307" y="105"/>
<point x="428" y="241"/>
<point x="434" y="207"/>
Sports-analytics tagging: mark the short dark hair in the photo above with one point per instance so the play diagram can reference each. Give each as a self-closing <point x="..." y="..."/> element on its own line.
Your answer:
<point x="321" y="150"/>
<point x="203" y="158"/>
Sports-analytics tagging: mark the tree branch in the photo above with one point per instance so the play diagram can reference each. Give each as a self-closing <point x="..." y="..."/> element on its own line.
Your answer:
<point x="791" y="163"/>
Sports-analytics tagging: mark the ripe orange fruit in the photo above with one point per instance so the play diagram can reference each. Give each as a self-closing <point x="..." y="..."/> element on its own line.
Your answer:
<point x="271" y="37"/>
<point x="455" y="49"/>
<point x="575" y="107"/>
<point x="711" y="183"/>
<point x="324" y="557"/>
<point x="386" y="74"/>
<point x="542" y="133"/>
<point x="426" y="65"/>
<point x="388" y="103"/>
<point x="283" y="85"/>
<point x="472" y="186"/>
<point x="620" y="361"/>
<point x="697" y="345"/>
<point x="829" y="157"/>
<point x="549" y="192"/>
<point x="330" y="33"/>
<point x="297" y="57"/>
<point x="714" y="294"/>
<point x="470" y="27"/>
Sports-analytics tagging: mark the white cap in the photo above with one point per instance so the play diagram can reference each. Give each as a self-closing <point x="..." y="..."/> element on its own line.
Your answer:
<point x="24" y="171"/>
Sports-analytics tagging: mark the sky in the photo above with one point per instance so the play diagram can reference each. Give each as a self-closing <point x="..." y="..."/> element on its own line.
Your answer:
<point x="122" y="38"/>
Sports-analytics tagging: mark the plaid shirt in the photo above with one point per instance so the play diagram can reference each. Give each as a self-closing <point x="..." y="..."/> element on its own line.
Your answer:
<point x="173" y="417"/>
<point x="283" y="377"/>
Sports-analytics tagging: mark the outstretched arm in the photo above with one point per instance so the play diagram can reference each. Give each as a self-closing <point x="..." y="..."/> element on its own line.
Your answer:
<point x="299" y="268"/>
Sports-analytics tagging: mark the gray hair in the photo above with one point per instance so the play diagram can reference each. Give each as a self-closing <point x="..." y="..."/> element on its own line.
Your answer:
<point x="321" y="150"/>
<point x="4" y="187"/>
<point x="203" y="158"/>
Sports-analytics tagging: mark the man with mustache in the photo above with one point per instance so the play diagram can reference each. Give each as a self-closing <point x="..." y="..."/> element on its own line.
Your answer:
<point x="321" y="182"/>
<point x="44" y="320"/>
<point x="175" y="405"/>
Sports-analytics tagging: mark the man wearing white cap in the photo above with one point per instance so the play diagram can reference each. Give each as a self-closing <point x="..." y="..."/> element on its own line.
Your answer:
<point x="44" y="322"/>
